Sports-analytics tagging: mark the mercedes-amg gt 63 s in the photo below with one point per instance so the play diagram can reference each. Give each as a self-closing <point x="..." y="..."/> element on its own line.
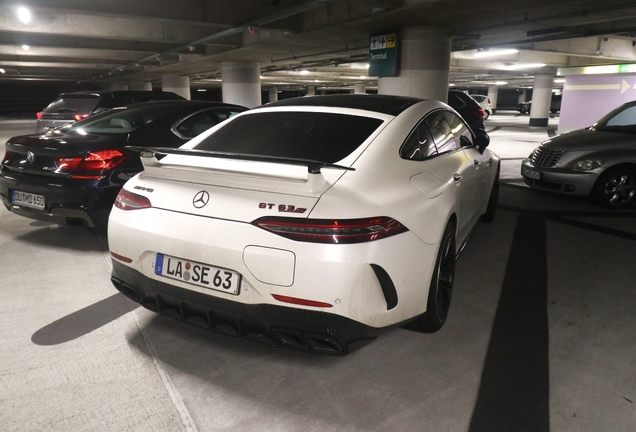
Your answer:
<point x="314" y="221"/>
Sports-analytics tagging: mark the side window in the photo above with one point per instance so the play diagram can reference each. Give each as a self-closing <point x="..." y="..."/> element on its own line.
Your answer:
<point x="224" y="113"/>
<point x="459" y="128"/>
<point x="441" y="132"/>
<point x="197" y="124"/>
<point x="419" y="145"/>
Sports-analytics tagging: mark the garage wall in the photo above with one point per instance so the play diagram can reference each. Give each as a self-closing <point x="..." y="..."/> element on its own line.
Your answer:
<point x="587" y="98"/>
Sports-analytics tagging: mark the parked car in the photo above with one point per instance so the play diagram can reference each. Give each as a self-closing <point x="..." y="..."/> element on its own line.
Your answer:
<point x="555" y="105"/>
<point x="471" y="112"/>
<point x="484" y="102"/>
<point x="597" y="162"/>
<point x="70" y="107"/>
<point x="315" y="221"/>
<point x="71" y="175"/>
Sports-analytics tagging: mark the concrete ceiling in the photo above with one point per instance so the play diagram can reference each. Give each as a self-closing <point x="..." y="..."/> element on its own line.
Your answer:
<point x="94" y="43"/>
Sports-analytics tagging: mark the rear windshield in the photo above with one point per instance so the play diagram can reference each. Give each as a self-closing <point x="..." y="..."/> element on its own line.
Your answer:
<point x="73" y="105"/>
<point x="115" y="121"/>
<point x="323" y="137"/>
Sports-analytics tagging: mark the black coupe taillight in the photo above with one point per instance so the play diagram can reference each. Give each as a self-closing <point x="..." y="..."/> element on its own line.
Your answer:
<point x="335" y="231"/>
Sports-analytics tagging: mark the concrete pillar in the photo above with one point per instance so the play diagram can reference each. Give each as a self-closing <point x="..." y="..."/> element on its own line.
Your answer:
<point x="522" y="96"/>
<point x="493" y="92"/>
<point x="273" y="94"/>
<point x="140" y="85"/>
<point x="176" y="84"/>
<point x="541" y="97"/>
<point x="424" y="63"/>
<point x="311" y="91"/>
<point x="359" y="88"/>
<point x="241" y="83"/>
<point x="118" y="86"/>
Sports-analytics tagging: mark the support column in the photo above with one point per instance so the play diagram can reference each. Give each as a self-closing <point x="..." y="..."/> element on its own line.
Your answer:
<point x="273" y="94"/>
<point x="176" y="84"/>
<point x="311" y="91"/>
<point x="493" y="92"/>
<point x="424" y="65"/>
<point x="359" y="88"/>
<point x="139" y="85"/>
<point x="541" y="98"/>
<point x="241" y="83"/>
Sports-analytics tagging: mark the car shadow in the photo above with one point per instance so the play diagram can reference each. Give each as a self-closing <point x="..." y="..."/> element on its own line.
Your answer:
<point x="84" y="321"/>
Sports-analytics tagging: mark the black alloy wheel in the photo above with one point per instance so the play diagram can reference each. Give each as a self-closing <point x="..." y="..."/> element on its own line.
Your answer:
<point x="616" y="188"/>
<point x="441" y="289"/>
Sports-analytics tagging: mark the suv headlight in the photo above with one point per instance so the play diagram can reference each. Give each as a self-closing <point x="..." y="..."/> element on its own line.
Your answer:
<point x="587" y="164"/>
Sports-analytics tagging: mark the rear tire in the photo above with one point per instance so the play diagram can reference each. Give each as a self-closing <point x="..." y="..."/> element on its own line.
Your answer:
<point x="441" y="288"/>
<point x="615" y="188"/>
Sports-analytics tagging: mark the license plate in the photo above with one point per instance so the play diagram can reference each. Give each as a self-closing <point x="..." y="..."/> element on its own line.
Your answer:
<point x="199" y="274"/>
<point x="27" y="199"/>
<point x="529" y="173"/>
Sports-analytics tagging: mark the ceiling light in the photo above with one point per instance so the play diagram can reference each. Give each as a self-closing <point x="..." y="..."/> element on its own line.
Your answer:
<point x="304" y="72"/>
<point x="526" y="66"/>
<point x="501" y="82"/>
<point x="559" y="81"/>
<point x="24" y="15"/>
<point x="494" y="53"/>
<point x="451" y="85"/>
<point x="25" y="47"/>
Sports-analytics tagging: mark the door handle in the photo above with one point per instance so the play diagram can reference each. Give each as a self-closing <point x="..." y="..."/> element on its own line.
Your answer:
<point x="457" y="177"/>
<point x="490" y="161"/>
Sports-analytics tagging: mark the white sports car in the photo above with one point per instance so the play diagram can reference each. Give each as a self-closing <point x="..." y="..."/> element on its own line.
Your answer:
<point x="315" y="221"/>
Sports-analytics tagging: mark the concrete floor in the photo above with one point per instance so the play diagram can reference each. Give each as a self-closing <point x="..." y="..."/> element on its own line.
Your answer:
<point x="540" y="336"/>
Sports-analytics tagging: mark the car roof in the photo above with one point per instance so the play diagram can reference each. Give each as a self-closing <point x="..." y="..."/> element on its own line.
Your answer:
<point x="385" y="104"/>
<point x="112" y="93"/>
<point x="182" y="104"/>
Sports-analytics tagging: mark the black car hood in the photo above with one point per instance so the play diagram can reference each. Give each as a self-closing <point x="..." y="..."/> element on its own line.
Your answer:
<point x="63" y="143"/>
<point x="586" y="139"/>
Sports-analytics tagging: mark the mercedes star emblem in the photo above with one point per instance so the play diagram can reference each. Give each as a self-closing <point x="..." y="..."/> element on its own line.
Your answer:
<point x="30" y="157"/>
<point x="201" y="199"/>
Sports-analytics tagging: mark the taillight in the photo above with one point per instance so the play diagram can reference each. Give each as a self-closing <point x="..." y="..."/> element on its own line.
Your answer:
<point x="131" y="201"/>
<point x="93" y="164"/>
<point x="79" y="117"/>
<point x="480" y="113"/>
<point x="332" y="231"/>
<point x="39" y="115"/>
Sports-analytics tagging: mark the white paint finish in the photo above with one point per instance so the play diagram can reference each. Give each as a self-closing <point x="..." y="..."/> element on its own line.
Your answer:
<point x="493" y="93"/>
<point x="541" y="96"/>
<point x="270" y="266"/>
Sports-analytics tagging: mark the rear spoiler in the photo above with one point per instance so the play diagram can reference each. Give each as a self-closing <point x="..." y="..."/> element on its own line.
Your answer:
<point x="313" y="166"/>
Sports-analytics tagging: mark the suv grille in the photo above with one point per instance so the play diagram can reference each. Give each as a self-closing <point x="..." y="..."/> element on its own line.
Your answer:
<point x="542" y="158"/>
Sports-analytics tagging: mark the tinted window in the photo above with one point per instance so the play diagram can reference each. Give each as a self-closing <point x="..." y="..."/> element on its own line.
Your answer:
<point x="324" y="137"/>
<point x="115" y="121"/>
<point x="624" y="118"/>
<point x="458" y="127"/>
<point x="419" y="145"/>
<point x="455" y="100"/>
<point x="197" y="123"/>
<point x="441" y="132"/>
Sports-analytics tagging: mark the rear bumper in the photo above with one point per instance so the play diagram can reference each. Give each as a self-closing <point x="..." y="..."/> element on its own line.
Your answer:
<point x="298" y="328"/>
<point x="67" y="201"/>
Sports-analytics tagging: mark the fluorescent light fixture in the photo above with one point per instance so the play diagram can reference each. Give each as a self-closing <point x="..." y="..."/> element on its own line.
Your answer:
<point x="304" y="72"/>
<point x="25" y="47"/>
<point x="201" y="90"/>
<point x="24" y="15"/>
<point x="359" y="65"/>
<point x="451" y="85"/>
<point x="494" y="53"/>
<point x="501" y="82"/>
<point x="526" y="66"/>
<point x="363" y="77"/>
<point x="2" y="70"/>
<point x="559" y="81"/>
